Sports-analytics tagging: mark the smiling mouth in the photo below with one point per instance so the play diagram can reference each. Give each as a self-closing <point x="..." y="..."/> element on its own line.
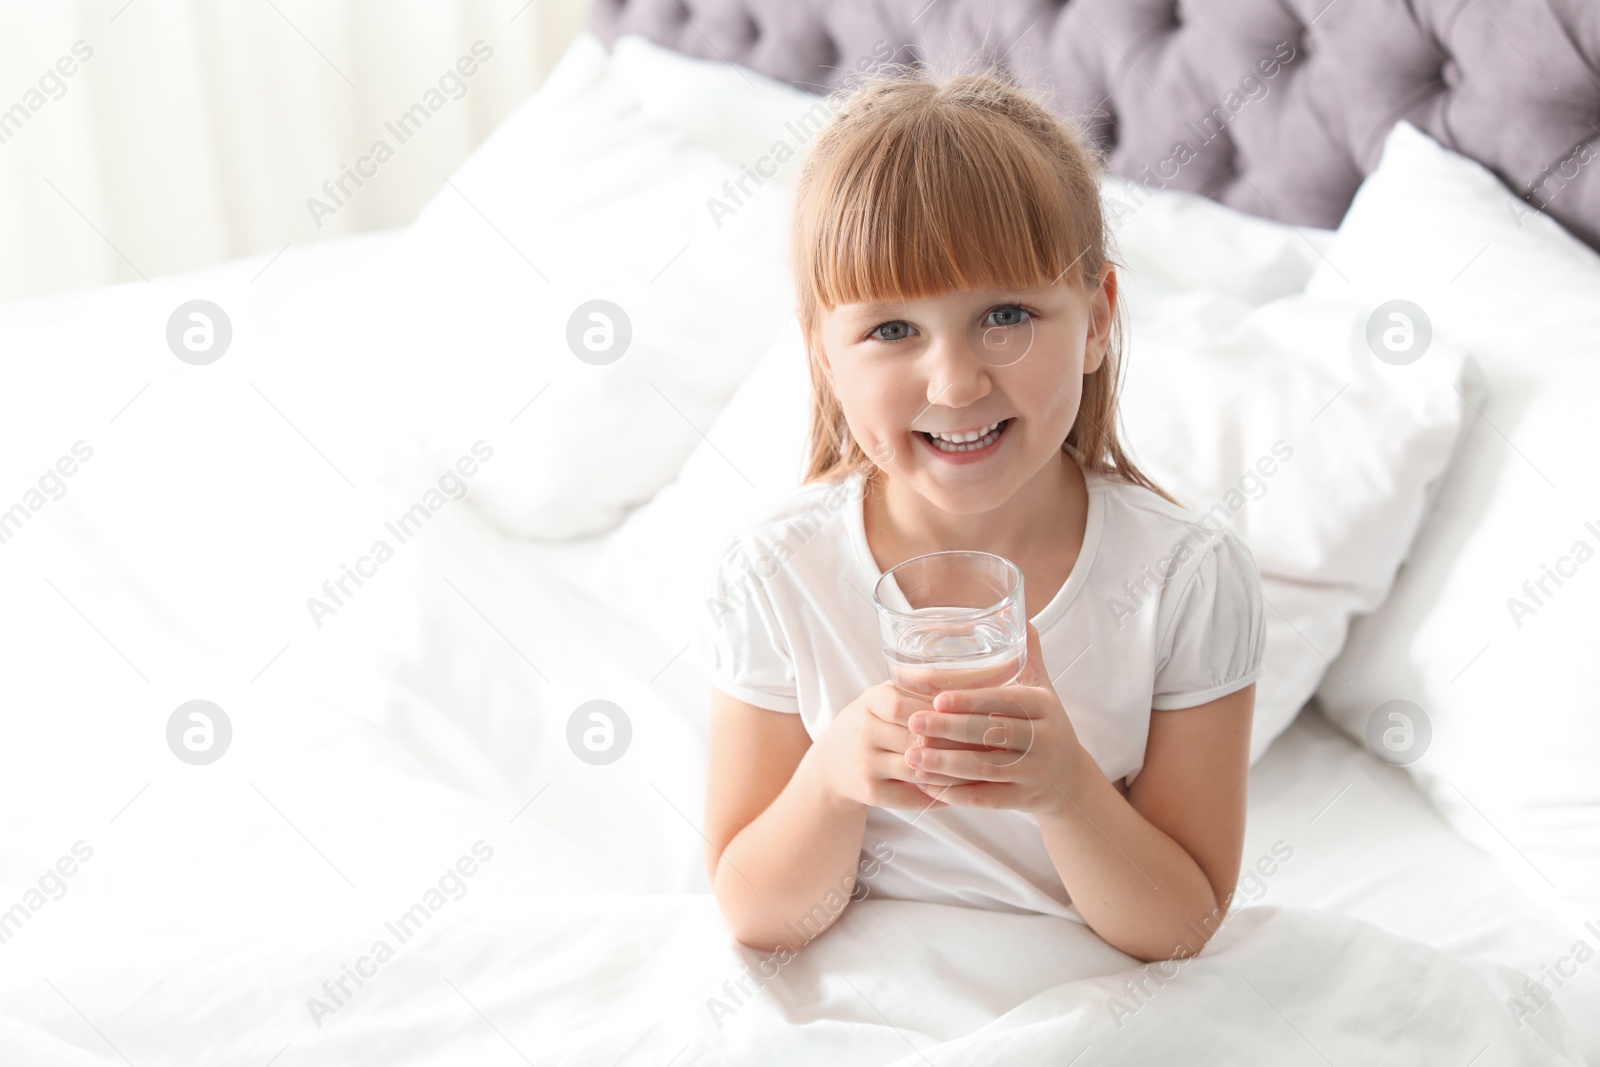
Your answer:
<point x="972" y="441"/>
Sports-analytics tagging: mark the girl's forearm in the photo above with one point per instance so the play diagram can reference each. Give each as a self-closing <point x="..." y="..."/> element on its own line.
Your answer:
<point x="787" y="876"/>
<point x="1135" y="886"/>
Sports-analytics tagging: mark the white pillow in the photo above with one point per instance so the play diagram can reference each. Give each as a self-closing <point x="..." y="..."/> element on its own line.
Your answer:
<point x="581" y="195"/>
<point x="1212" y="386"/>
<point x="740" y="114"/>
<point x="1174" y="242"/>
<point x="1218" y="394"/>
<point x="655" y="566"/>
<point x="1509" y="698"/>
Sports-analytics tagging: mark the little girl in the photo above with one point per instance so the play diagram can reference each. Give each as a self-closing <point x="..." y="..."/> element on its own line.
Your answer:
<point x="960" y="314"/>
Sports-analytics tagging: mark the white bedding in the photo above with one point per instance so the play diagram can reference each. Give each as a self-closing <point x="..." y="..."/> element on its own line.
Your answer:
<point x="429" y="715"/>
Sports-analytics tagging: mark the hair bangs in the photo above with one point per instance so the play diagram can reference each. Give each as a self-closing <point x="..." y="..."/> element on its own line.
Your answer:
<point x="941" y="203"/>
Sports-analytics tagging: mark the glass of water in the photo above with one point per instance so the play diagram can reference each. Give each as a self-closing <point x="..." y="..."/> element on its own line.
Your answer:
<point x="952" y="620"/>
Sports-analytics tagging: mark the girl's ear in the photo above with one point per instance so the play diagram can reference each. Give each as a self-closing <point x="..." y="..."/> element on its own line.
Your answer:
<point x="1102" y="313"/>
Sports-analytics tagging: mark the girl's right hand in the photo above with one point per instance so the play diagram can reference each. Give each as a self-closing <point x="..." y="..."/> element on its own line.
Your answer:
<point x="864" y="752"/>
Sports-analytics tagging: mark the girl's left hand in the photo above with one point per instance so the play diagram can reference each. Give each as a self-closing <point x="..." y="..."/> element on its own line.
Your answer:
<point x="1034" y="756"/>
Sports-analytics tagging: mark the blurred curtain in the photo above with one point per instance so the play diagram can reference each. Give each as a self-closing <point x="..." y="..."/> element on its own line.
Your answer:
<point x="146" y="137"/>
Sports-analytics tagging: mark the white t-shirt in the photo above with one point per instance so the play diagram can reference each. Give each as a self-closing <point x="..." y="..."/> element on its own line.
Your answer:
<point x="1159" y="612"/>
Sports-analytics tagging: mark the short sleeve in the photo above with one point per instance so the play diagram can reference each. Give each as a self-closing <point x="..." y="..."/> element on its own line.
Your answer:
<point x="742" y="646"/>
<point x="1216" y="637"/>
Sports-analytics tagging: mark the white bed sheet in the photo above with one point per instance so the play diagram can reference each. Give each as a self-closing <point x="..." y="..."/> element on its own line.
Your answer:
<point x="430" y="714"/>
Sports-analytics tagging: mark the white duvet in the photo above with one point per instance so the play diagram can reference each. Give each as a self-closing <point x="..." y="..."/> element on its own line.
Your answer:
<point x="221" y="918"/>
<point x="224" y="911"/>
<point x="653" y="980"/>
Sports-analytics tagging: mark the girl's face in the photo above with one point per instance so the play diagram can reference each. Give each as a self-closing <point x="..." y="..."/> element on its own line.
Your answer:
<point x="966" y="395"/>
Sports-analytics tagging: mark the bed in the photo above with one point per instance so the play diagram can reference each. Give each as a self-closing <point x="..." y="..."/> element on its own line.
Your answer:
<point x="375" y="844"/>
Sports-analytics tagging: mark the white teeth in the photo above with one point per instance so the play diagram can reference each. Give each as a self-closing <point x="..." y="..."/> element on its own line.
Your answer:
<point x="971" y="441"/>
<point x="964" y="438"/>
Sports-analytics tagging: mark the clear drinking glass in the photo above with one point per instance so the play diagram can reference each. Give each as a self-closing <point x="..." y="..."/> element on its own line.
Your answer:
<point x="952" y="620"/>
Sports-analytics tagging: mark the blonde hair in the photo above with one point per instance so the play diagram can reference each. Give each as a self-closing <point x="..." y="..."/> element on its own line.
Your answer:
<point x="923" y="184"/>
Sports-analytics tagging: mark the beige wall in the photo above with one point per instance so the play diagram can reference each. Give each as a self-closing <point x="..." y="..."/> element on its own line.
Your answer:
<point x="180" y="133"/>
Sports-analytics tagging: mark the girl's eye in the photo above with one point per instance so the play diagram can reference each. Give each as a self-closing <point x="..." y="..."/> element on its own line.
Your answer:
<point x="1007" y="315"/>
<point x="890" y="331"/>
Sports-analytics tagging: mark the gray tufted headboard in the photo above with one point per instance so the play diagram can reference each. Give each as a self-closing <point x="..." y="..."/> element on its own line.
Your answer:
<point x="1276" y="107"/>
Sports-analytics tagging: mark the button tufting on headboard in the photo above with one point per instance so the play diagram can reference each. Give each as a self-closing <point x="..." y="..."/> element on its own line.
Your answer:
<point x="1277" y="107"/>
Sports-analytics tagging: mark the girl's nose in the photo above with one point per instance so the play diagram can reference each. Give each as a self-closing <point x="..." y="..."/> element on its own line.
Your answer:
<point x="959" y="376"/>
